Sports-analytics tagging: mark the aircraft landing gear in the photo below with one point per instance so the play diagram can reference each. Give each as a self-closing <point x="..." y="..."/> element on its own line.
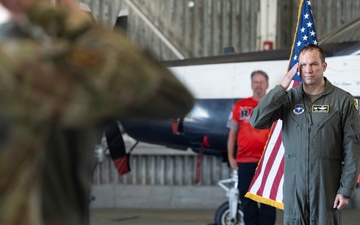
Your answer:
<point x="230" y="212"/>
<point x="223" y="216"/>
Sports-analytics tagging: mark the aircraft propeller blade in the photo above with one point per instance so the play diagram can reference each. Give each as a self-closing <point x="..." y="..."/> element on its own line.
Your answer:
<point x="117" y="149"/>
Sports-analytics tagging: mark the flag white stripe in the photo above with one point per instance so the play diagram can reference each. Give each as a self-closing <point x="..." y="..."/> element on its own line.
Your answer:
<point x="272" y="142"/>
<point x="273" y="171"/>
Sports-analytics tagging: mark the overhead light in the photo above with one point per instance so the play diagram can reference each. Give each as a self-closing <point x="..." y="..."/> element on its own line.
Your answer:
<point x="191" y="4"/>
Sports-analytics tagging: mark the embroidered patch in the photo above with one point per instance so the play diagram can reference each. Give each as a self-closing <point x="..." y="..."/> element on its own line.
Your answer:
<point x="356" y="104"/>
<point x="299" y="109"/>
<point x="320" y="108"/>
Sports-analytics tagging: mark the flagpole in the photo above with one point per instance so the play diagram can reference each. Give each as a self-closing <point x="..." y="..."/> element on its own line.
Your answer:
<point x="296" y="31"/>
<point x="266" y="186"/>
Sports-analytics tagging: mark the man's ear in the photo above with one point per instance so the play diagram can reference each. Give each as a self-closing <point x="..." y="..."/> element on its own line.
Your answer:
<point x="324" y="66"/>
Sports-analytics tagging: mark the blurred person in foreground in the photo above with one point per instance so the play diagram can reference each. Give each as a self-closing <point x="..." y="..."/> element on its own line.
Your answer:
<point x="62" y="78"/>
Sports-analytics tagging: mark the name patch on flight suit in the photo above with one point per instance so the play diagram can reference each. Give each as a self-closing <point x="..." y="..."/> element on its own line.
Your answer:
<point x="320" y="108"/>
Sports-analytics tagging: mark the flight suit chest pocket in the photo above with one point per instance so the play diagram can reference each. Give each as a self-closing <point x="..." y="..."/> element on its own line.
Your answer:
<point x="327" y="119"/>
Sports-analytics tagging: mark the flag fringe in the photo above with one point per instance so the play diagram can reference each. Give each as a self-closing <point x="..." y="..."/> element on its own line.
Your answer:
<point x="264" y="200"/>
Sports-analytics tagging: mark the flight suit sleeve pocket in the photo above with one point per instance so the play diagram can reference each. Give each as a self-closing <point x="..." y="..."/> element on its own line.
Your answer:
<point x="353" y="128"/>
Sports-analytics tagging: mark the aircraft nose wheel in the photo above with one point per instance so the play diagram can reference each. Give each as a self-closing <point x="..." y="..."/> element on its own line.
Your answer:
<point x="223" y="215"/>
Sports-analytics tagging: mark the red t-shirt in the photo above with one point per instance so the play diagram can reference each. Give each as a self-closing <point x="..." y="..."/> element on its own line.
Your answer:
<point x="250" y="141"/>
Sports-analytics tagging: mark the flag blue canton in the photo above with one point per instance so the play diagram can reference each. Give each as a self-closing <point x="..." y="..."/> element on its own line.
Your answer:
<point x="305" y="34"/>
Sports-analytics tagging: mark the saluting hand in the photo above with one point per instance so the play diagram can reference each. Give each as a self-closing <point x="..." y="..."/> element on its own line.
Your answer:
<point x="285" y="83"/>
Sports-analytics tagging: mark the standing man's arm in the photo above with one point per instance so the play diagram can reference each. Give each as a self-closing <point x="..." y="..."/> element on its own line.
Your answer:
<point x="351" y="155"/>
<point x="232" y="143"/>
<point x="341" y="201"/>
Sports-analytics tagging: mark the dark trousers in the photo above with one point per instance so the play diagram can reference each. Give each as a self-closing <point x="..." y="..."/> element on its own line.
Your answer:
<point x="254" y="214"/>
<point x="67" y="175"/>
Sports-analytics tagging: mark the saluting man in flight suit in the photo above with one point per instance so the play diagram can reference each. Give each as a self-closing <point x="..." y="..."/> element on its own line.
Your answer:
<point x="61" y="78"/>
<point x="321" y="136"/>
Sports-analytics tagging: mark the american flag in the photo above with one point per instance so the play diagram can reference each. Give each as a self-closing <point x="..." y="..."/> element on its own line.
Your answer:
<point x="266" y="186"/>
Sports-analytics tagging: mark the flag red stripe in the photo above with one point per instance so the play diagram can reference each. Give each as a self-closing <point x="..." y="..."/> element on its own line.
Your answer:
<point x="270" y="163"/>
<point x="278" y="177"/>
<point x="260" y="165"/>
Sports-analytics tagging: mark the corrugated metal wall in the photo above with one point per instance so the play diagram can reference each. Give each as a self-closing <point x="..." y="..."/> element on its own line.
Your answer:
<point x="105" y="11"/>
<point x="153" y="169"/>
<point x="202" y="30"/>
<point x="328" y="15"/>
<point x="209" y="26"/>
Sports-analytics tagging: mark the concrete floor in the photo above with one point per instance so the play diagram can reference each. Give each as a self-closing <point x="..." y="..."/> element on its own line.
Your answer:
<point x="178" y="217"/>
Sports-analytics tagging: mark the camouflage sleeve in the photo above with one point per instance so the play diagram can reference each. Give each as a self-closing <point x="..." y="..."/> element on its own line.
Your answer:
<point x="59" y="21"/>
<point x="114" y="77"/>
<point x="83" y="74"/>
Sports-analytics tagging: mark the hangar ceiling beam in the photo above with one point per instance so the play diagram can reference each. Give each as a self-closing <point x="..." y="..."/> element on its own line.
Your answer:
<point x="156" y="30"/>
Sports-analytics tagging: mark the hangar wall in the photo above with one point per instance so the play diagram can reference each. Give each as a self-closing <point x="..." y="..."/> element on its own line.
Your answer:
<point x="166" y="167"/>
<point x="205" y="27"/>
<point x="160" y="178"/>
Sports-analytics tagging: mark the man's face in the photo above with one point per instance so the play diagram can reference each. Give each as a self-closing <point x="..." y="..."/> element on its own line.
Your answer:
<point x="259" y="85"/>
<point x="311" y="67"/>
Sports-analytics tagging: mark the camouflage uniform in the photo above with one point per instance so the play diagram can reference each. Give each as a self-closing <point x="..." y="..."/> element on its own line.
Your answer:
<point x="60" y="80"/>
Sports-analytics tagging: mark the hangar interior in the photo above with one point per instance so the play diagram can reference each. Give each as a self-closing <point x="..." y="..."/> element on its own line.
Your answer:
<point x="176" y="29"/>
<point x="182" y="29"/>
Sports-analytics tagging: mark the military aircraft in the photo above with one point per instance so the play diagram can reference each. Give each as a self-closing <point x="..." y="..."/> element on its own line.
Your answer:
<point x="218" y="82"/>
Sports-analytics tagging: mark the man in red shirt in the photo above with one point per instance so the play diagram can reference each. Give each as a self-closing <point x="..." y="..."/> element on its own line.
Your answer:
<point x="250" y="144"/>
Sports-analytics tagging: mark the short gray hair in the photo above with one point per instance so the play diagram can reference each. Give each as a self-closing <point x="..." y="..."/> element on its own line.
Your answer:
<point x="260" y="72"/>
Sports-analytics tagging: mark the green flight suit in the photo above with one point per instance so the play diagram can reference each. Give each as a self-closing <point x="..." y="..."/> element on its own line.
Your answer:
<point x="61" y="78"/>
<point x="322" y="150"/>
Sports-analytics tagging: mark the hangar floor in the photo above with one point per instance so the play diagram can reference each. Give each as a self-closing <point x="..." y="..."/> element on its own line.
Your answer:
<point x="177" y="217"/>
